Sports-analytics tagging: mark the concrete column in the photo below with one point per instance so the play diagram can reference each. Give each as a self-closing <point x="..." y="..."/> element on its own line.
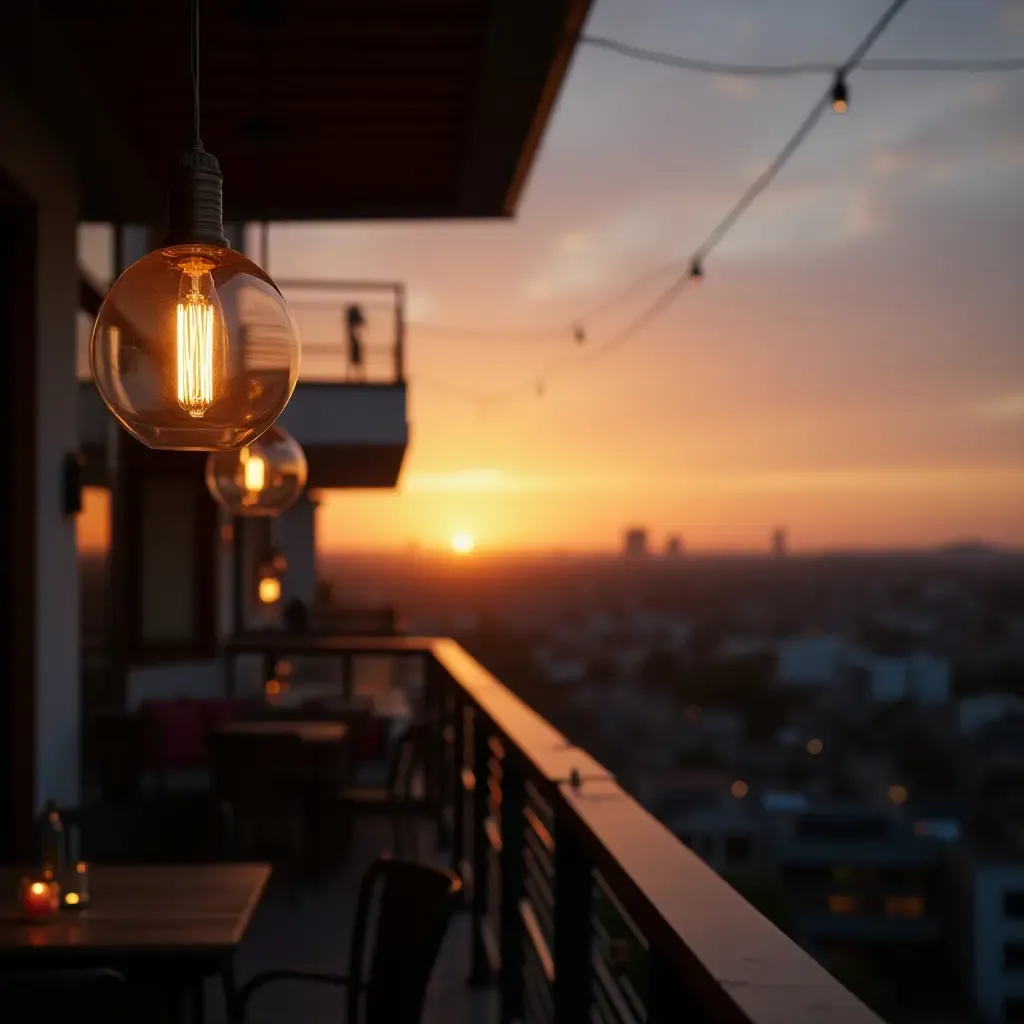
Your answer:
<point x="41" y="171"/>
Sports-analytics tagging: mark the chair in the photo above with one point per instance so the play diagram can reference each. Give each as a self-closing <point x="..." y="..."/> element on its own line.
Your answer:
<point x="391" y="957"/>
<point x="97" y="995"/>
<point x="117" y="745"/>
<point x="398" y="796"/>
<point x="258" y="781"/>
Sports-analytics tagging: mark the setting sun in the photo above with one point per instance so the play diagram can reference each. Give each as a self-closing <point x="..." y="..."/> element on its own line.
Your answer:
<point x="463" y="543"/>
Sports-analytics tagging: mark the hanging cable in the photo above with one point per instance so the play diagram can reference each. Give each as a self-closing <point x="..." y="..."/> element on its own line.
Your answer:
<point x="815" y="67"/>
<point x="194" y="70"/>
<point x="698" y="257"/>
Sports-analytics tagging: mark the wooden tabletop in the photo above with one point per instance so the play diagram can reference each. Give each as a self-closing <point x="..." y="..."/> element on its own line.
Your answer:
<point x="156" y="909"/>
<point x="311" y="731"/>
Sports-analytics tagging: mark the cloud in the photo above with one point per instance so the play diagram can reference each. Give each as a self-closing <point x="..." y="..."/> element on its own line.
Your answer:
<point x="739" y="88"/>
<point x="1012" y="19"/>
<point x="1005" y="407"/>
<point x="867" y="480"/>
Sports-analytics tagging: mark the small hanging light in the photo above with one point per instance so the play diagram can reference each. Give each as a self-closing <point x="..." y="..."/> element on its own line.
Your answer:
<point x="269" y="590"/>
<point x="194" y="346"/>
<point x="696" y="271"/>
<point x="840" y="94"/>
<point x="264" y="478"/>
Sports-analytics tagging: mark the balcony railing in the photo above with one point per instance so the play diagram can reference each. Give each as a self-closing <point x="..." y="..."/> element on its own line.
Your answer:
<point x="321" y="310"/>
<point x="583" y="906"/>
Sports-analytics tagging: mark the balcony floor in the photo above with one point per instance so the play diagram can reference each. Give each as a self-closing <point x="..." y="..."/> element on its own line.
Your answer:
<point x="310" y="930"/>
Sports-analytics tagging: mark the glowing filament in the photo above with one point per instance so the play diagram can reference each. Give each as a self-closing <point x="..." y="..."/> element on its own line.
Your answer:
<point x="254" y="475"/>
<point x="195" y="342"/>
<point x="270" y="590"/>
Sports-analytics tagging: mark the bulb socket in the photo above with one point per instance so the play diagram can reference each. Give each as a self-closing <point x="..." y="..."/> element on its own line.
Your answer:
<point x="196" y="200"/>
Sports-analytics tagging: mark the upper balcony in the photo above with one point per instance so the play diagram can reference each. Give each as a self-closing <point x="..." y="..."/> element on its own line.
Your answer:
<point x="349" y="407"/>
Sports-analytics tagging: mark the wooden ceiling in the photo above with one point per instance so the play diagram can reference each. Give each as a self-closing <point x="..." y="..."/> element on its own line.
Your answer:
<point x="331" y="109"/>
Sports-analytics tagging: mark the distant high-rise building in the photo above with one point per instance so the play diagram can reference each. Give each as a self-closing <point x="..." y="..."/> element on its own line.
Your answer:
<point x="780" y="542"/>
<point x="635" y="544"/>
<point x="673" y="546"/>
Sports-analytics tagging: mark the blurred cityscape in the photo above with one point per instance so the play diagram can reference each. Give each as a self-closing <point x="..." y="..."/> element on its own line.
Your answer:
<point x="840" y="736"/>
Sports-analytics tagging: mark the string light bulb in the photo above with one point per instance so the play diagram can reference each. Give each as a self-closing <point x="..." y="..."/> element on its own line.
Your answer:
<point x="265" y="478"/>
<point x="696" y="270"/>
<point x="194" y="346"/>
<point x="840" y="94"/>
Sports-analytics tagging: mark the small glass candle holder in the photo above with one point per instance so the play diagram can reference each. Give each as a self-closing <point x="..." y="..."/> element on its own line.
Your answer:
<point x="76" y="892"/>
<point x="40" y="899"/>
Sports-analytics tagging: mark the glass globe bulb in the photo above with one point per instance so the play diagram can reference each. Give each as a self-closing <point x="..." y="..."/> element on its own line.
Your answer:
<point x="194" y="348"/>
<point x="262" y="479"/>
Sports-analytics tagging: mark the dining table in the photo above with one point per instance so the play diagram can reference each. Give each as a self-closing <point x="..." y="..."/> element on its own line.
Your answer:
<point x="309" y="731"/>
<point x="169" y="926"/>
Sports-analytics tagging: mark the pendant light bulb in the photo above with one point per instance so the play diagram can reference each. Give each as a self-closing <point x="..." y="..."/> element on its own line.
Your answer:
<point x="194" y="347"/>
<point x="696" y="271"/>
<point x="265" y="478"/>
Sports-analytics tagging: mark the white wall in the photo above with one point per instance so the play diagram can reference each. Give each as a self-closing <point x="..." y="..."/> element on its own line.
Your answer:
<point x="33" y="158"/>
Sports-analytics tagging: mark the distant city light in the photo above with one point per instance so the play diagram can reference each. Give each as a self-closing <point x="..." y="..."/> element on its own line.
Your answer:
<point x="815" y="746"/>
<point x="739" y="789"/>
<point x="898" y="794"/>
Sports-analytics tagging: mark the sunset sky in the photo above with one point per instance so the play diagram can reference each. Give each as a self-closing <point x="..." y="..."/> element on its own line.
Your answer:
<point x="853" y="365"/>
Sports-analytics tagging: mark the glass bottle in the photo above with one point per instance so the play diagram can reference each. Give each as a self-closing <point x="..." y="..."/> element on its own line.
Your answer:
<point x="51" y="840"/>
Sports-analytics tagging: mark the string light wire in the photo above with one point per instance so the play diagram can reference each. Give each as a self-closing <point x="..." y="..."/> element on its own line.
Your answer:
<point x="694" y="262"/>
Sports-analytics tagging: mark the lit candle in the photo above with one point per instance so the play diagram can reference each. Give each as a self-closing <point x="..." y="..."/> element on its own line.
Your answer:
<point x="40" y="898"/>
<point x="76" y="896"/>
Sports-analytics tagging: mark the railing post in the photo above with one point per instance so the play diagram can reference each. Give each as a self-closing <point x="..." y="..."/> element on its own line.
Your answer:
<point x="479" y="965"/>
<point x="455" y="782"/>
<point x="436" y="703"/>
<point x="347" y="672"/>
<point x="399" y="334"/>
<point x="510" y="979"/>
<point x="572" y="928"/>
<point x="667" y="1001"/>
